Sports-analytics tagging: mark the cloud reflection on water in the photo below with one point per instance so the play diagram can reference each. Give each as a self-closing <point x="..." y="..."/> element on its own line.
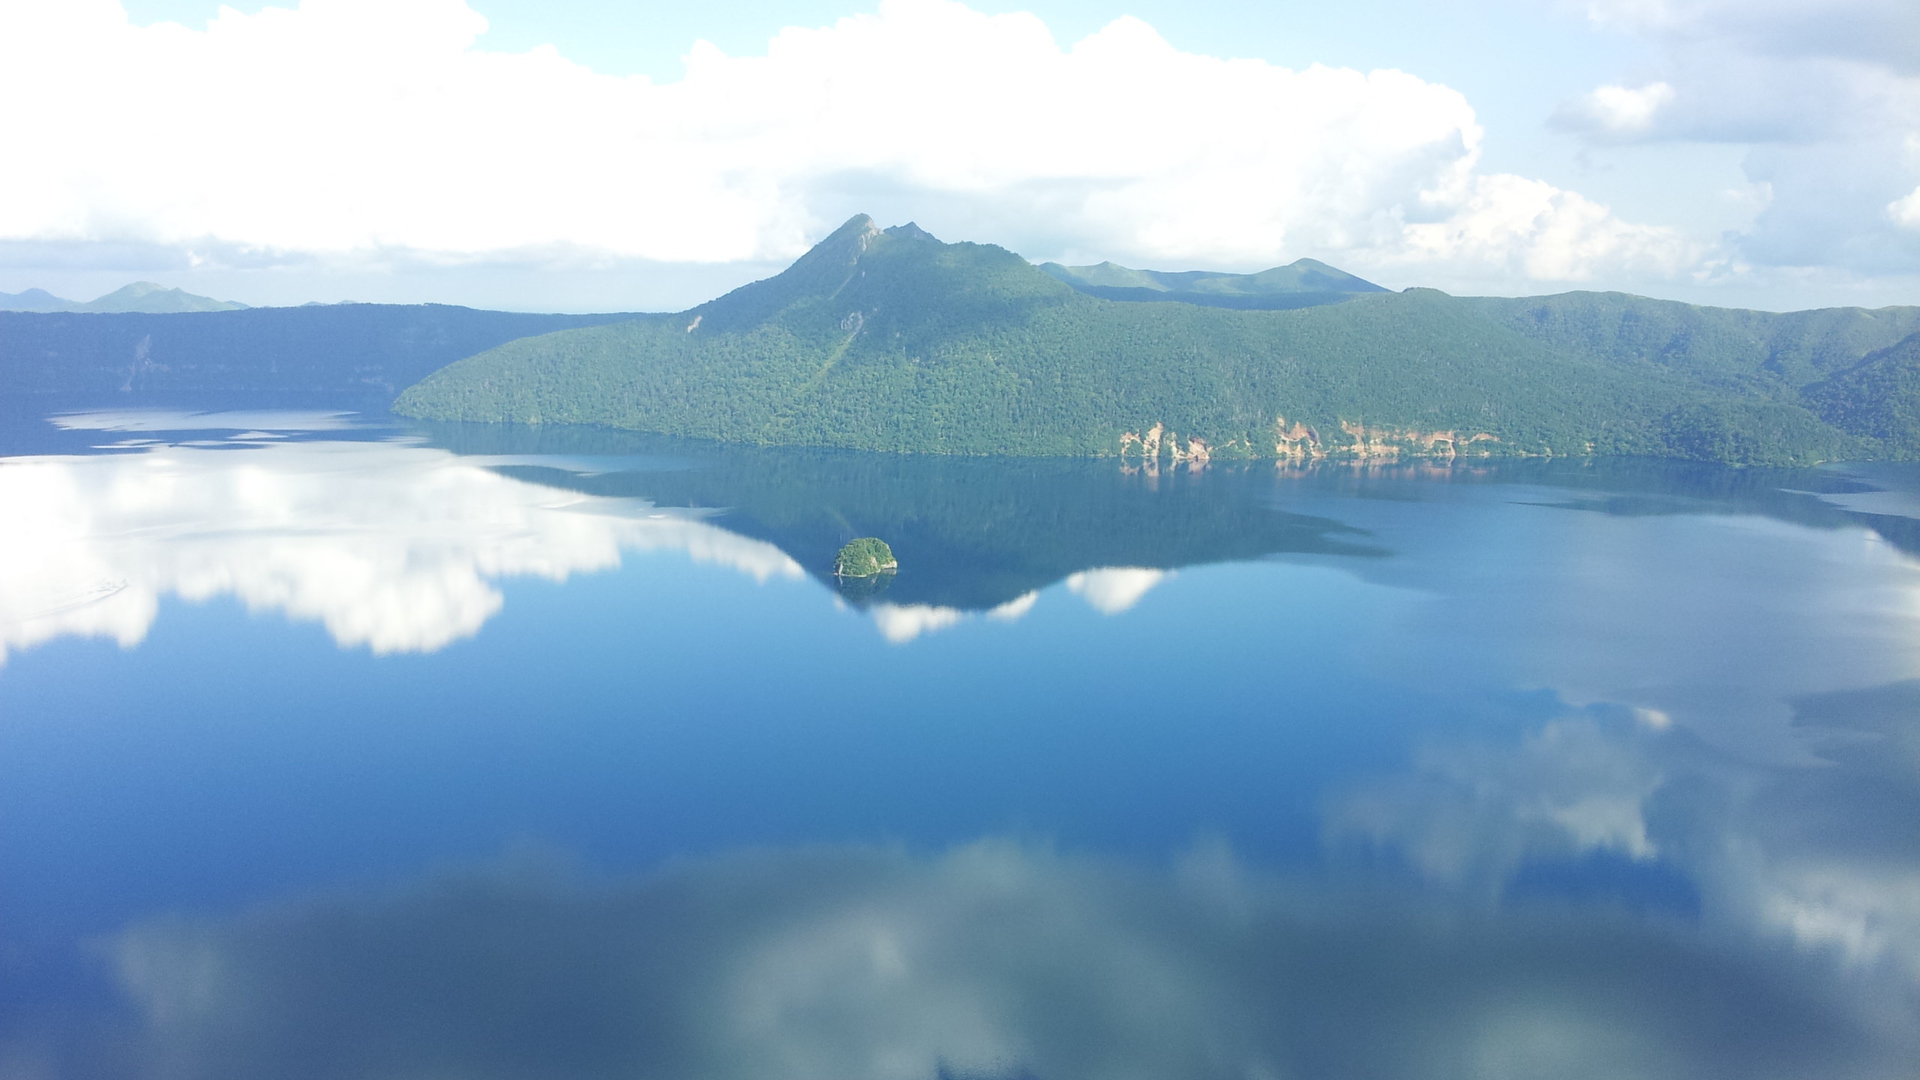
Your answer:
<point x="1108" y="590"/>
<point x="1715" y="621"/>
<point x="1112" y="590"/>
<point x="1471" y="814"/>
<point x="1824" y="854"/>
<point x="391" y="547"/>
<point x="993" y="959"/>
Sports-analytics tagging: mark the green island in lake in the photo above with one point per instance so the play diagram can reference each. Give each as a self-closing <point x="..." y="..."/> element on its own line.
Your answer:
<point x="890" y="340"/>
<point x="865" y="557"/>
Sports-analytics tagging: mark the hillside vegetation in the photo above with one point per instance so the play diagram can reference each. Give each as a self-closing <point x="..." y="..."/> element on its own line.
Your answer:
<point x="892" y="340"/>
<point x="1303" y="283"/>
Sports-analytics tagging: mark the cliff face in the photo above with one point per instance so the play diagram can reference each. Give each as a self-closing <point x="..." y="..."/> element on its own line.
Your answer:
<point x="888" y="339"/>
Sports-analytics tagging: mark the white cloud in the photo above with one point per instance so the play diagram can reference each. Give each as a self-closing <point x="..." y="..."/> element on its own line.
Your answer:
<point x="393" y="548"/>
<point x="351" y="128"/>
<point x="1906" y="211"/>
<point x="1541" y="232"/>
<point x="1621" y="108"/>
<point x="1824" y="93"/>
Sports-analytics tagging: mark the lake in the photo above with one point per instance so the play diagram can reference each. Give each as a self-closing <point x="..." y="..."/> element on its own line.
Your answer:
<point x="339" y="746"/>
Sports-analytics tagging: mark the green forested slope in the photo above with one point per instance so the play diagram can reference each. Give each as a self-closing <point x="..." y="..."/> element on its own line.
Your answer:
<point x="1760" y="352"/>
<point x="1877" y="398"/>
<point x="1302" y="283"/>
<point x="894" y="341"/>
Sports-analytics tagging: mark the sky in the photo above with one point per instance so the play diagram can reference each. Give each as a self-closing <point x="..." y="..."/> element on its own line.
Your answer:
<point x="600" y="155"/>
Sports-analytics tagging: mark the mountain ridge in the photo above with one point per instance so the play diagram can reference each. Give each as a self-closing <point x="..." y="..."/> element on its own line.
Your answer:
<point x="347" y="355"/>
<point x="140" y="297"/>
<point x="892" y="340"/>
<point x="1301" y="283"/>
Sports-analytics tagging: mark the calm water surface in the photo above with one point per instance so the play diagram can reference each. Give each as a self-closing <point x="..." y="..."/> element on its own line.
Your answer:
<point x="332" y="748"/>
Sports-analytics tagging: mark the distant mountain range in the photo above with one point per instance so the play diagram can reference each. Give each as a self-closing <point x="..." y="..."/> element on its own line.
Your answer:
<point x="334" y="355"/>
<point x="142" y="296"/>
<point x="1303" y="283"/>
<point x="891" y="340"/>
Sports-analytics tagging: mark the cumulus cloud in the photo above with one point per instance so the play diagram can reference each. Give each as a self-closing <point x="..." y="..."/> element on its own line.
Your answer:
<point x="1619" y="109"/>
<point x="1535" y="230"/>
<point x="393" y="548"/>
<point x="348" y="128"/>
<point x="1826" y="93"/>
<point x="992" y="959"/>
<point x="1906" y="211"/>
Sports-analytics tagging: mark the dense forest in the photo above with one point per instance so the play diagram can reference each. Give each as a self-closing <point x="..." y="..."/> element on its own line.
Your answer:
<point x="891" y="340"/>
<point x="1303" y="283"/>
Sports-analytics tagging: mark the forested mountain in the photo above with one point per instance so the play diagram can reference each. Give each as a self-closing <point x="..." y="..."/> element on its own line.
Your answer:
<point x="1878" y="398"/>
<point x="355" y="355"/>
<point x="892" y="340"/>
<point x="1303" y="283"/>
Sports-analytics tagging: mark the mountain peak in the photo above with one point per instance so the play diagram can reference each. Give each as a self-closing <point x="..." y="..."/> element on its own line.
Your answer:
<point x="911" y="231"/>
<point x="33" y="300"/>
<point x="143" y="297"/>
<point x="150" y="298"/>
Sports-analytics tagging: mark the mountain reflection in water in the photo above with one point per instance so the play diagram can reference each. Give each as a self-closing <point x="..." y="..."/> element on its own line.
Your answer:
<point x="1537" y="769"/>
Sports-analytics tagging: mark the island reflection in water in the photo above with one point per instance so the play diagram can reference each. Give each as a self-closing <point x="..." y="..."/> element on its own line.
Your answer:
<point x="1530" y="770"/>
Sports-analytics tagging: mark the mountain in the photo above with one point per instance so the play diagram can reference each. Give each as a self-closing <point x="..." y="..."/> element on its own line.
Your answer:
<point x="1304" y="283"/>
<point x="347" y="355"/>
<point x="141" y="296"/>
<point x="891" y="340"/>
<point x="1878" y="398"/>
<point x="1759" y="352"/>
<point x="33" y="300"/>
<point x="147" y="298"/>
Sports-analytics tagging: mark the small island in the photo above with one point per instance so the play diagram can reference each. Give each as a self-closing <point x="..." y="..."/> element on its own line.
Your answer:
<point x="864" y="558"/>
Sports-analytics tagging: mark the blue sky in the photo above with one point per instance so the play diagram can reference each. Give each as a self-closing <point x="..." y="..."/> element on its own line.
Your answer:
<point x="565" y="155"/>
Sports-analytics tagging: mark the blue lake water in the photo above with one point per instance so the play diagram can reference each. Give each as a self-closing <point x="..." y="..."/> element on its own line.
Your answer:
<point x="337" y="747"/>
